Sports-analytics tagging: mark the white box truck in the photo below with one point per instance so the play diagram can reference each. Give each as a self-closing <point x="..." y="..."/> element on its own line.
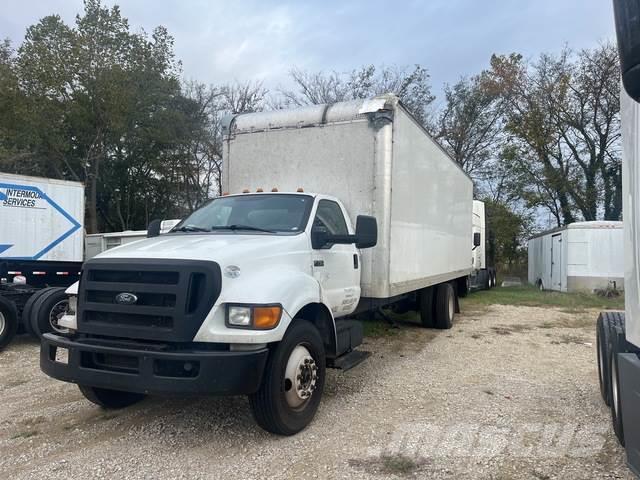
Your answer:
<point x="41" y="238"/>
<point x="581" y="256"/>
<point x="618" y="333"/>
<point x="255" y="292"/>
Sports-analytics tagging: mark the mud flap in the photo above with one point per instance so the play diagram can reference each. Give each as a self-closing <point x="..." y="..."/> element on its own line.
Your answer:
<point x="630" y="390"/>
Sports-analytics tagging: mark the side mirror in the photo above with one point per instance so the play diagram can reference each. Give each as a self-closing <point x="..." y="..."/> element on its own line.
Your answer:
<point x="627" y="15"/>
<point x="153" y="230"/>
<point x="476" y="239"/>
<point x="366" y="231"/>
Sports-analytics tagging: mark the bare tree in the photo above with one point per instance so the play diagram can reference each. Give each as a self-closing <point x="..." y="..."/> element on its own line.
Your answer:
<point x="410" y="85"/>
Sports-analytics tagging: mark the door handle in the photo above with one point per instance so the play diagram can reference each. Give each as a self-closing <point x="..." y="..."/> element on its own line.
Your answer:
<point x="355" y="261"/>
<point x="318" y="263"/>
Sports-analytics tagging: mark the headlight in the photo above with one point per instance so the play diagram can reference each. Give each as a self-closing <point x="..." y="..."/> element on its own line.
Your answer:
<point x="239" y="316"/>
<point x="259" y="317"/>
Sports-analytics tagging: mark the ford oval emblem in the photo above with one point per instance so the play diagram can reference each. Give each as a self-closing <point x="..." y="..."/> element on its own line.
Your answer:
<point x="126" y="298"/>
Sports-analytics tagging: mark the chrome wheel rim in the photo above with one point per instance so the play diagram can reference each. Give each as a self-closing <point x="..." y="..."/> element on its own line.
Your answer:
<point x="300" y="377"/>
<point x="56" y="313"/>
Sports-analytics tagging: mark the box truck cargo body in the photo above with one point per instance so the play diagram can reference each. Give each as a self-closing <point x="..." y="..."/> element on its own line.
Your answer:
<point x="582" y="256"/>
<point x="376" y="158"/>
<point x="41" y="243"/>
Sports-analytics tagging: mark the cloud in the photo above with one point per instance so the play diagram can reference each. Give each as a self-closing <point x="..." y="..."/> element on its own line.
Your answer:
<point x="221" y="41"/>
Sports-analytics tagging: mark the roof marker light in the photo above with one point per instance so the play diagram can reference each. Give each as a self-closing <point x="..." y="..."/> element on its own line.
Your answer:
<point x="274" y="189"/>
<point x="300" y="190"/>
<point x="246" y="190"/>
<point x="259" y="190"/>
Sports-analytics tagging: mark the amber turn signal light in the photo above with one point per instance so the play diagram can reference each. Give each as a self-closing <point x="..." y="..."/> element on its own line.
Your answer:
<point x="266" y="317"/>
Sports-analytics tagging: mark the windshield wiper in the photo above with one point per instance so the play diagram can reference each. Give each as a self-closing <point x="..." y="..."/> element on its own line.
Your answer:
<point x="241" y="227"/>
<point x="190" y="228"/>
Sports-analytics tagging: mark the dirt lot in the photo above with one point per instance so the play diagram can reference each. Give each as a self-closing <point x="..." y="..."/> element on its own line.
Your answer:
<point x="510" y="392"/>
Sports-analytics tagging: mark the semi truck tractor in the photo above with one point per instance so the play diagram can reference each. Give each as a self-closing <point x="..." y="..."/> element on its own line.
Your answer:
<point x="328" y="211"/>
<point x="483" y="276"/>
<point x="618" y="333"/>
<point x="41" y="236"/>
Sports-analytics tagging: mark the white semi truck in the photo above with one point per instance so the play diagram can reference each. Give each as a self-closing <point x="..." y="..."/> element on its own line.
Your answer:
<point x="41" y="236"/>
<point x="255" y="293"/>
<point x="618" y="333"/>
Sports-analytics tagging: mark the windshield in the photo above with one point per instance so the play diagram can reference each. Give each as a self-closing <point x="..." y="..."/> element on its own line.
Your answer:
<point x="263" y="213"/>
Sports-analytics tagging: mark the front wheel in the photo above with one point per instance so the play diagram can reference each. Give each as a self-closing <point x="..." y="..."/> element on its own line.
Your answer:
<point x="293" y="381"/>
<point x="110" y="399"/>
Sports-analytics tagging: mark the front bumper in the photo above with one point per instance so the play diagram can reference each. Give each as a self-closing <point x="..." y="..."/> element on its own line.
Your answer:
<point x="132" y="369"/>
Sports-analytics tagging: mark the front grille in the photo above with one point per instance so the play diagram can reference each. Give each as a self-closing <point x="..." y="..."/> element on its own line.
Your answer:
<point x="171" y="298"/>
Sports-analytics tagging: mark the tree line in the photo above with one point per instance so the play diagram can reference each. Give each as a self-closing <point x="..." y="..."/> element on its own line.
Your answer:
<point x="98" y="103"/>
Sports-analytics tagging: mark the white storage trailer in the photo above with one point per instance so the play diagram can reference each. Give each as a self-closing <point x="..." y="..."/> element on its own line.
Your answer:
<point x="375" y="157"/>
<point x="41" y="243"/>
<point x="582" y="256"/>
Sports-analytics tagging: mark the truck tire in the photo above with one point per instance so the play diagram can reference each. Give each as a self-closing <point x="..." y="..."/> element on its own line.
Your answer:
<point x="616" y="347"/>
<point x="605" y="324"/>
<point x="45" y="310"/>
<point x="426" y="307"/>
<point x="110" y="399"/>
<point x="8" y="322"/>
<point x="463" y="286"/>
<point x="293" y="382"/>
<point x="26" y="313"/>
<point x="445" y="306"/>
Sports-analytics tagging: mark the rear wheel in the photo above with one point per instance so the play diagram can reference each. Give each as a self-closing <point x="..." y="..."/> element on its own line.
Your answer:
<point x="293" y="381"/>
<point x="110" y="399"/>
<point x="8" y="322"/>
<point x="603" y="328"/>
<point x="26" y="313"/>
<point x="445" y="306"/>
<point x="463" y="286"/>
<point x="614" y="388"/>
<point x="426" y="307"/>
<point x="47" y="310"/>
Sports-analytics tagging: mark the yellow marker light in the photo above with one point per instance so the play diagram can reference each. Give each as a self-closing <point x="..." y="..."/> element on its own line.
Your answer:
<point x="300" y="190"/>
<point x="274" y="189"/>
<point x="259" y="190"/>
<point x="266" y="317"/>
<point x="246" y="190"/>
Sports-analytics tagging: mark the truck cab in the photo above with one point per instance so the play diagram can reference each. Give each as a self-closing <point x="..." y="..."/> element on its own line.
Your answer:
<point x="209" y="307"/>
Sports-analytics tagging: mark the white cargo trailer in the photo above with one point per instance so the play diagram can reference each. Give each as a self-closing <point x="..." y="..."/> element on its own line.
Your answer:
<point x="41" y="242"/>
<point x="582" y="256"/>
<point x="375" y="157"/>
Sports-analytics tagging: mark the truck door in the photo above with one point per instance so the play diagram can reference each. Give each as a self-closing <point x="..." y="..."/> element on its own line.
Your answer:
<point x="336" y="267"/>
<point x="556" y="262"/>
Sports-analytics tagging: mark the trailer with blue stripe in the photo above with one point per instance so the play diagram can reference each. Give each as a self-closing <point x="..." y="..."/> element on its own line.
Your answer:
<point x="41" y="250"/>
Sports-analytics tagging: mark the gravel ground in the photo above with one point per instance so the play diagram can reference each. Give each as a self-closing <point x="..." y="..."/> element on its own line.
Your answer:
<point x="510" y="392"/>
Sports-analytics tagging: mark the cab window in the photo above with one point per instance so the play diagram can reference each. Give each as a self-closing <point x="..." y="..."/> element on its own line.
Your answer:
<point x="329" y="219"/>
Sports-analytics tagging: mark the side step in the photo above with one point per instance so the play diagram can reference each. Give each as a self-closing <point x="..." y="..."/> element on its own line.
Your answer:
<point x="349" y="360"/>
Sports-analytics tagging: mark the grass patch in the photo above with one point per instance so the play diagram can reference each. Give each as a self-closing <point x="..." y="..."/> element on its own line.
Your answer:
<point x="378" y="328"/>
<point x="530" y="296"/>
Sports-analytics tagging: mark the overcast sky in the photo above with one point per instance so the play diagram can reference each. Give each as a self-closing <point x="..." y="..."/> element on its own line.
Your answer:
<point x="219" y="41"/>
